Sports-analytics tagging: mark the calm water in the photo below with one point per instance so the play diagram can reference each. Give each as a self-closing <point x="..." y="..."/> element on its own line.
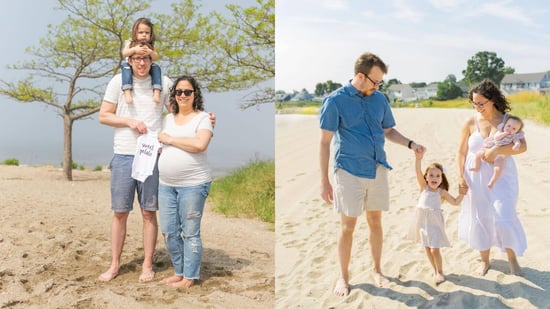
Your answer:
<point x="33" y="134"/>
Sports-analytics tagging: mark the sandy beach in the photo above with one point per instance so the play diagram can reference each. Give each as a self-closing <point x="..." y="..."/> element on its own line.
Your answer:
<point x="306" y="265"/>
<point x="55" y="241"/>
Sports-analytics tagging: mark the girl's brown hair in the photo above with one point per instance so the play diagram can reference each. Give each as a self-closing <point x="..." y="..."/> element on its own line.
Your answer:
<point x="444" y="182"/>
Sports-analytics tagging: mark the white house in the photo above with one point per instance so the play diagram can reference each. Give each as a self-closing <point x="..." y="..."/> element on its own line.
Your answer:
<point x="401" y="92"/>
<point x="538" y="82"/>
<point x="429" y="91"/>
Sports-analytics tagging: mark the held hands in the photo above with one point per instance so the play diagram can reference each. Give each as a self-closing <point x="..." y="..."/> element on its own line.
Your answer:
<point x="462" y="187"/>
<point x="418" y="149"/>
<point x="142" y="50"/>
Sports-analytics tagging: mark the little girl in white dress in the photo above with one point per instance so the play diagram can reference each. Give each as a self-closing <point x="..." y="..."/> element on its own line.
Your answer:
<point x="428" y="227"/>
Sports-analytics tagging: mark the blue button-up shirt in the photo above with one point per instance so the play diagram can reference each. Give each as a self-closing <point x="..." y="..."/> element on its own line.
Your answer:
<point x="358" y="122"/>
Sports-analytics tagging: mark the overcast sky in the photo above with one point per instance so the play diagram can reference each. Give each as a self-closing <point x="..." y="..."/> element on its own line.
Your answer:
<point x="420" y="40"/>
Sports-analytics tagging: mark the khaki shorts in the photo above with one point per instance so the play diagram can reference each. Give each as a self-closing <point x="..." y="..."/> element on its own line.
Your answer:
<point x="354" y="195"/>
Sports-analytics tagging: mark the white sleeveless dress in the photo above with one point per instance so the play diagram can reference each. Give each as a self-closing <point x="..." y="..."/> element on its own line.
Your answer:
<point x="428" y="227"/>
<point x="488" y="216"/>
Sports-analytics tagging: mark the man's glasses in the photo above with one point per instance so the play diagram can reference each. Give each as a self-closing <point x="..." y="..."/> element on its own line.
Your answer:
<point x="376" y="84"/>
<point x="140" y="59"/>
<point x="479" y="104"/>
<point x="187" y="92"/>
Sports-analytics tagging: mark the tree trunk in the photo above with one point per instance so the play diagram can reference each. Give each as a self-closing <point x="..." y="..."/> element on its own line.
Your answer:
<point x="68" y="147"/>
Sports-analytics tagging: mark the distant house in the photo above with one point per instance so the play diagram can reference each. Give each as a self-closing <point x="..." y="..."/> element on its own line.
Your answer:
<point x="427" y="92"/>
<point x="302" y="96"/>
<point x="401" y="92"/>
<point x="537" y="82"/>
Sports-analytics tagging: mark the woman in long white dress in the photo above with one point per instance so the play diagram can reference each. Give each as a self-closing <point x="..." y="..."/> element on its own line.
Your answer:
<point x="488" y="216"/>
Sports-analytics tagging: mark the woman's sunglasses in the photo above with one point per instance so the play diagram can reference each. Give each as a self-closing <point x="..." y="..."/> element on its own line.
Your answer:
<point x="187" y="92"/>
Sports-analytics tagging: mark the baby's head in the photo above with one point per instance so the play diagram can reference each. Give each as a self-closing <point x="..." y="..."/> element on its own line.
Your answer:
<point x="513" y="125"/>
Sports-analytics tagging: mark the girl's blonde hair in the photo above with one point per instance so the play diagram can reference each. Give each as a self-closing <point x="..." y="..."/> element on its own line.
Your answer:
<point x="444" y="182"/>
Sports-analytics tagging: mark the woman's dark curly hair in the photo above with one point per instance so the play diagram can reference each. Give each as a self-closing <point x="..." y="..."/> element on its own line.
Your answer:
<point x="198" y="104"/>
<point x="490" y="90"/>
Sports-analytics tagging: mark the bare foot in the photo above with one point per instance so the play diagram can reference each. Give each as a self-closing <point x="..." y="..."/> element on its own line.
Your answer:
<point x="483" y="268"/>
<point x="515" y="269"/>
<point x="380" y="280"/>
<point x="128" y="96"/>
<point x="172" y="279"/>
<point x="108" y="275"/>
<point x="146" y="276"/>
<point x="439" y="278"/>
<point x="341" y="288"/>
<point x="156" y="96"/>
<point x="183" y="283"/>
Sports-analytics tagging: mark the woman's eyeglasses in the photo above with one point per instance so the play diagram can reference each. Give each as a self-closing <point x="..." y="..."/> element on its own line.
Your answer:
<point x="479" y="104"/>
<point x="186" y="92"/>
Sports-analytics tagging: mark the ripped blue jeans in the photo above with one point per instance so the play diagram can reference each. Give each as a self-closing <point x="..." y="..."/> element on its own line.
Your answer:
<point x="181" y="210"/>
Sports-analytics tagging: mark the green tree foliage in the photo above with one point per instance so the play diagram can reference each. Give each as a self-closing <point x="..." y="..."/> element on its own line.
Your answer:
<point x="325" y="88"/>
<point x="75" y="60"/>
<point x="224" y="53"/>
<point x="485" y="64"/>
<point x="448" y="89"/>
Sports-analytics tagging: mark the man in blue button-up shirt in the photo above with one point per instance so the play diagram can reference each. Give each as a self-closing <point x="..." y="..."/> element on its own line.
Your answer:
<point x="359" y="119"/>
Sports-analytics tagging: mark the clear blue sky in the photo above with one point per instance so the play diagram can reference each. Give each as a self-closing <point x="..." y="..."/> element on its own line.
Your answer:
<point x="420" y="40"/>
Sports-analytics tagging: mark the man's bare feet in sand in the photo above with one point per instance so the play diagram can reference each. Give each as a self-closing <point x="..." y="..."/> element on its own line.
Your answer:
<point x="439" y="278"/>
<point x="341" y="288"/>
<point x="183" y="283"/>
<point x="379" y="279"/>
<point x="483" y="268"/>
<point x="109" y="275"/>
<point x="171" y="279"/>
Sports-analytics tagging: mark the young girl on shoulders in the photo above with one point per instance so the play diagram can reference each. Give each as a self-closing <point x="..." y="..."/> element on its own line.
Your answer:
<point x="429" y="226"/>
<point x="142" y="46"/>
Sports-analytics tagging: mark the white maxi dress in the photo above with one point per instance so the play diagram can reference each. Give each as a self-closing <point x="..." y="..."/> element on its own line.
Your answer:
<point x="488" y="216"/>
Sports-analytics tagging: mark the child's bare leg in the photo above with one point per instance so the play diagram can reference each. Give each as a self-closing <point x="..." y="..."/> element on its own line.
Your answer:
<point x="128" y="96"/>
<point x="497" y="171"/>
<point x="438" y="265"/>
<point x="477" y="162"/>
<point x="156" y="95"/>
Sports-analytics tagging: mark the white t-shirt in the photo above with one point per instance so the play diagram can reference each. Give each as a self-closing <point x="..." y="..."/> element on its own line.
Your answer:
<point x="177" y="167"/>
<point x="143" y="108"/>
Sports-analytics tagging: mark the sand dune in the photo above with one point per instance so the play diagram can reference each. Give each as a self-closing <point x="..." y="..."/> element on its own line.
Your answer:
<point x="306" y="228"/>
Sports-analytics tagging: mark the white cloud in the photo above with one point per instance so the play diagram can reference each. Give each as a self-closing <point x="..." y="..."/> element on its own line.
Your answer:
<point x="404" y="12"/>
<point x="506" y="10"/>
<point x="445" y="5"/>
<point x="335" y="5"/>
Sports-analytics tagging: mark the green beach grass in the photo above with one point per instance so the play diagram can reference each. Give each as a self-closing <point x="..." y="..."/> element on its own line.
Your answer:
<point x="527" y="105"/>
<point x="247" y="192"/>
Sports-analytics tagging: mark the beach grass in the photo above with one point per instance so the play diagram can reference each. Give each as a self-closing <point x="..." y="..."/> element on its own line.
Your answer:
<point x="525" y="104"/>
<point x="11" y="161"/>
<point x="247" y="192"/>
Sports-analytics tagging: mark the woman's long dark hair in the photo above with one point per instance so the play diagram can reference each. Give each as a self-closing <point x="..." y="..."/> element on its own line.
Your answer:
<point x="198" y="104"/>
<point x="490" y="90"/>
